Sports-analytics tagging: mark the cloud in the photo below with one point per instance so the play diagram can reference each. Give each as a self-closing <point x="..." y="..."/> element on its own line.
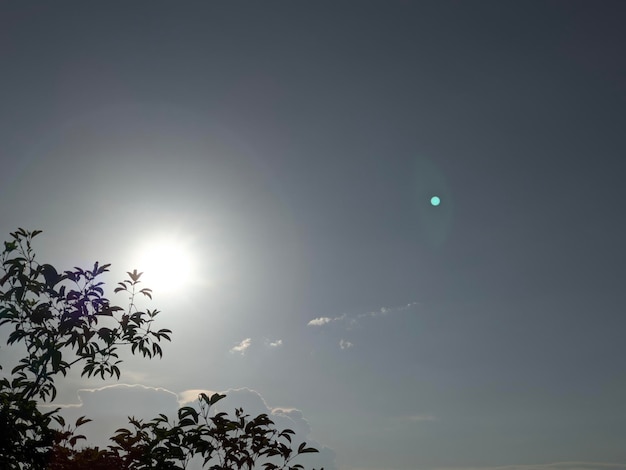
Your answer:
<point x="350" y="321"/>
<point x="241" y="347"/>
<point x="253" y="404"/>
<point x="320" y="321"/>
<point x="353" y="320"/>
<point x="190" y="396"/>
<point x="387" y="310"/>
<point x="111" y="405"/>
<point x="343" y="344"/>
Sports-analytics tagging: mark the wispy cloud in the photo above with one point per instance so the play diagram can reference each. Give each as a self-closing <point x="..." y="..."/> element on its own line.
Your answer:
<point x="275" y="344"/>
<point x="344" y="344"/>
<point x="353" y="319"/>
<point x="321" y="321"/>
<point x="241" y="347"/>
<point x="383" y="311"/>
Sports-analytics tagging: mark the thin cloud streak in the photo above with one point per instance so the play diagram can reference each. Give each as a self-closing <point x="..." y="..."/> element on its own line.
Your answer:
<point x="352" y="320"/>
<point x="320" y="321"/>
<point x="388" y="310"/>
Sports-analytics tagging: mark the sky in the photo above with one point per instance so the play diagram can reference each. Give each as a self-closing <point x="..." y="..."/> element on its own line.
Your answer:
<point x="285" y="154"/>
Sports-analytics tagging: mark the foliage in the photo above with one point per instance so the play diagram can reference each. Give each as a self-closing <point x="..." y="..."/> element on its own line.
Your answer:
<point x="64" y="319"/>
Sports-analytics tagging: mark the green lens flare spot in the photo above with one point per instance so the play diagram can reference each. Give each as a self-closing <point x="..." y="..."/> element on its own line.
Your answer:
<point x="435" y="201"/>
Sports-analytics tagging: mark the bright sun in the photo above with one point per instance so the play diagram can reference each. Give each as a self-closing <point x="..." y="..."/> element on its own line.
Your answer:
<point x="166" y="263"/>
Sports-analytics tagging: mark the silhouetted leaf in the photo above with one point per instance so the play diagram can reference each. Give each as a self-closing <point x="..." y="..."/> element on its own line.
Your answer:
<point x="82" y="420"/>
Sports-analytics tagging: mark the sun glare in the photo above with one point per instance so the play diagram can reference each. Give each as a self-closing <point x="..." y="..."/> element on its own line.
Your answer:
<point x="166" y="263"/>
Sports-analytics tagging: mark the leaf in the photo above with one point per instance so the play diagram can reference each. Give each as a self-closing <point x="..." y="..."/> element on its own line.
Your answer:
<point x="19" y="294"/>
<point x="9" y="247"/>
<point x="105" y="334"/>
<point x="76" y="438"/>
<point x="56" y="359"/>
<point x="50" y="274"/>
<point x="5" y="278"/>
<point x="82" y="420"/>
<point x="121" y="287"/>
<point x="108" y="310"/>
<point x="165" y="333"/>
<point x="102" y="269"/>
<point x="134" y="275"/>
<point x="186" y="411"/>
<point x="215" y="398"/>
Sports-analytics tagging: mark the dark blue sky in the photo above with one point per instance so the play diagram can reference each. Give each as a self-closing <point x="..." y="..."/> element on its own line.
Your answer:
<point x="294" y="148"/>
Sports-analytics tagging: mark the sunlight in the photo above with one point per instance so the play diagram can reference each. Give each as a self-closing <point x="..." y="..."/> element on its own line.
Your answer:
<point x="167" y="264"/>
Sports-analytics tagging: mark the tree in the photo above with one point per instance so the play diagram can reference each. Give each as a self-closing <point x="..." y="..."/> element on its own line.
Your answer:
<point x="63" y="319"/>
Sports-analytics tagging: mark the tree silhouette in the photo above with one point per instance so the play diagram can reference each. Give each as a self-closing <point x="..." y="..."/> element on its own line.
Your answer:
<point x="63" y="320"/>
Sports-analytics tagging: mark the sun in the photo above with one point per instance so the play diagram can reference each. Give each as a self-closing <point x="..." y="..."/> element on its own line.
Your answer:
<point x="167" y="264"/>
